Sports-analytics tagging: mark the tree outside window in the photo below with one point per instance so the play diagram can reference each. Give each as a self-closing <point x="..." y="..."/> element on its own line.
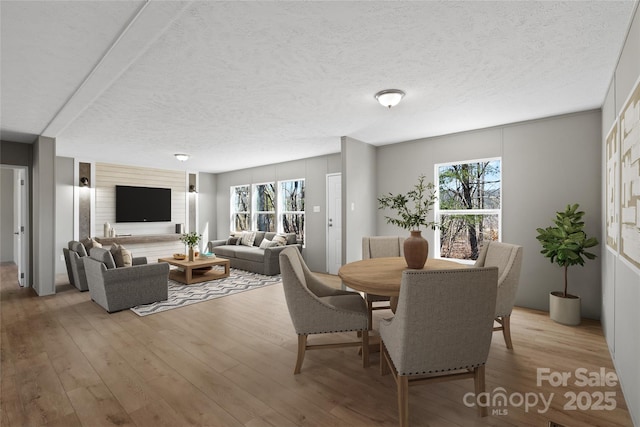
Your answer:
<point x="265" y="207"/>
<point x="240" y="208"/>
<point x="469" y="207"/>
<point x="292" y="207"/>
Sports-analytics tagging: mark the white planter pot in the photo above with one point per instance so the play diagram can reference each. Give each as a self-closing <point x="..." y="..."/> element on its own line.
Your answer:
<point x="564" y="310"/>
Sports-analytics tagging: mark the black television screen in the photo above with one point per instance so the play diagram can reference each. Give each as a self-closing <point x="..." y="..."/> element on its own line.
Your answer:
<point x="142" y="204"/>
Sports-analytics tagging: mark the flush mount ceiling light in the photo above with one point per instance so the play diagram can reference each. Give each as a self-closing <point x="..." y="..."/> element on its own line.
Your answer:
<point x="389" y="97"/>
<point x="182" y="157"/>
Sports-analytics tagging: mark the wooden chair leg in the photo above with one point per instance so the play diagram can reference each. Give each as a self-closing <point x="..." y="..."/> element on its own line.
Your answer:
<point x="365" y="349"/>
<point x="403" y="400"/>
<point x="302" y="347"/>
<point x="506" y="331"/>
<point x="478" y="381"/>
<point x="370" y="313"/>
<point x="384" y="363"/>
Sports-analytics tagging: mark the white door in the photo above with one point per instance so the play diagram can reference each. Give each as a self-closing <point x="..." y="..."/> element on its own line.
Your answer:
<point x="19" y="223"/>
<point x="334" y="223"/>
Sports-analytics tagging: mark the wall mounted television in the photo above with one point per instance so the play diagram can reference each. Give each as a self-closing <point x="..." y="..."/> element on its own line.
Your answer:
<point x="142" y="204"/>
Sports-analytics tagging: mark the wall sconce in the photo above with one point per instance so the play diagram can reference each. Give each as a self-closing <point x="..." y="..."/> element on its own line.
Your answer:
<point x="84" y="181"/>
<point x="389" y="97"/>
<point x="192" y="189"/>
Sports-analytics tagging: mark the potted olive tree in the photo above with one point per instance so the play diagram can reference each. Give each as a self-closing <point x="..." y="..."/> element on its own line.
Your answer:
<point x="412" y="210"/>
<point x="565" y="244"/>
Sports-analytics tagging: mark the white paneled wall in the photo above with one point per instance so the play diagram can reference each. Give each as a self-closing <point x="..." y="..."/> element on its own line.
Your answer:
<point x="107" y="176"/>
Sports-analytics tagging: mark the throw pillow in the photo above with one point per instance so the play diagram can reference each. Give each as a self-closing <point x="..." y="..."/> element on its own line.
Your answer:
<point x="280" y="240"/>
<point x="248" y="237"/>
<point x="113" y="249"/>
<point x="91" y="243"/>
<point x="122" y="257"/>
<point x="232" y="240"/>
<point x="266" y="243"/>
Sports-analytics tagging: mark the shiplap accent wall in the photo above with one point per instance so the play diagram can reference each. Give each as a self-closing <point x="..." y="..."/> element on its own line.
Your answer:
<point x="107" y="176"/>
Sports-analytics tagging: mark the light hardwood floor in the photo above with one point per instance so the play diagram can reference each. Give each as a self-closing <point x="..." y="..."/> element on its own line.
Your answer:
<point x="229" y="362"/>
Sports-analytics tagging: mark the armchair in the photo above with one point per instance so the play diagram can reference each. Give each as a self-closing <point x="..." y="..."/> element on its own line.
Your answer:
<point x="316" y="308"/>
<point x="508" y="259"/>
<point x="441" y="329"/>
<point x="116" y="289"/>
<point x="76" y="253"/>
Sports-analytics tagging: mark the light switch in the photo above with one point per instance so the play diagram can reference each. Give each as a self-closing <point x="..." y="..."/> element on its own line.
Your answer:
<point x="316" y="208"/>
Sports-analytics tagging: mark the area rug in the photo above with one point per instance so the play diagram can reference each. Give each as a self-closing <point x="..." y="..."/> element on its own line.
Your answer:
<point x="181" y="295"/>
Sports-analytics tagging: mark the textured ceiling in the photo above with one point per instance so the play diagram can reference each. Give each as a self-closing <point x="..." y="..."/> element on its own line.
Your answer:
<point x="240" y="84"/>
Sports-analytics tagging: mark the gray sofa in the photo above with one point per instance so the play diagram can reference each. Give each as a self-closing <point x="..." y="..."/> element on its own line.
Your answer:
<point x="253" y="258"/>
<point x="116" y="289"/>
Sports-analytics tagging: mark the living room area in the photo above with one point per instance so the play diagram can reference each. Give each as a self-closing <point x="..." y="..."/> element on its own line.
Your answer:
<point x="229" y="361"/>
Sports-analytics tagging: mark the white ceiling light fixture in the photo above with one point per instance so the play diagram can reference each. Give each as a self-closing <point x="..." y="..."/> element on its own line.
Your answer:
<point x="389" y="97"/>
<point x="182" y="157"/>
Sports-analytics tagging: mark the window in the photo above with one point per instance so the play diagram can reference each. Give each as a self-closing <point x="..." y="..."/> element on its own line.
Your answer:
<point x="258" y="207"/>
<point x="240" y="208"/>
<point x="291" y="213"/>
<point x="469" y="207"/>
<point x="264" y="207"/>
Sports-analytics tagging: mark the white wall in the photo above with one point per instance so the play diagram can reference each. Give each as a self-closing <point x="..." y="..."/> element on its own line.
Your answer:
<point x="44" y="216"/>
<point x="64" y="208"/>
<point x="359" y="196"/>
<point x="620" y="282"/>
<point x="546" y="163"/>
<point x="207" y="210"/>
<point x="6" y="215"/>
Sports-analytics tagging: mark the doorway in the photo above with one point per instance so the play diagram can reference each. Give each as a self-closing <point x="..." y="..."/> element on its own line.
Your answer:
<point x="15" y="221"/>
<point x="334" y="223"/>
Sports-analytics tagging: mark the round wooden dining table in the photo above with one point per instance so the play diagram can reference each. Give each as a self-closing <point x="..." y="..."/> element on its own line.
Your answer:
<point x="382" y="276"/>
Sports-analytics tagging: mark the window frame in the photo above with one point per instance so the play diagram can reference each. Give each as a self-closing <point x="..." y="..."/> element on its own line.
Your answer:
<point x="438" y="213"/>
<point x="282" y="202"/>
<point x="233" y="205"/>
<point x="254" y="206"/>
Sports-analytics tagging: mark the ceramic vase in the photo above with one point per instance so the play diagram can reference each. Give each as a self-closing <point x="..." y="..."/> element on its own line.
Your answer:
<point x="416" y="250"/>
<point x="191" y="257"/>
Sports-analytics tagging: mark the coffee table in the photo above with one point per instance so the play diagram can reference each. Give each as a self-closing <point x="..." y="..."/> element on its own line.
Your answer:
<point x="188" y="277"/>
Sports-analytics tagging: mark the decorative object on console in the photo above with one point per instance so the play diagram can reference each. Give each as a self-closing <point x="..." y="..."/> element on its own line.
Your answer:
<point x="416" y="248"/>
<point x="84" y="181"/>
<point x="191" y="239"/>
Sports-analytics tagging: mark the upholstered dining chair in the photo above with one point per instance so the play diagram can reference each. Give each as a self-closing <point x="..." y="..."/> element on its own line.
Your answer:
<point x="441" y="330"/>
<point x="316" y="308"/>
<point x="380" y="247"/>
<point x="508" y="258"/>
